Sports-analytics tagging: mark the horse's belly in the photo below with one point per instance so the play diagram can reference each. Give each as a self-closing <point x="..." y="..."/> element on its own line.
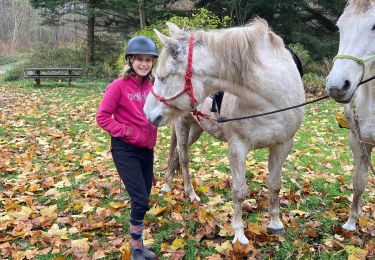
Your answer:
<point x="268" y="137"/>
<point x="263" y="134"/>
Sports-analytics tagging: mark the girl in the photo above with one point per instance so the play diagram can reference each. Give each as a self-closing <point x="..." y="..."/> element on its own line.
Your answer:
<point x="132" y="137"/>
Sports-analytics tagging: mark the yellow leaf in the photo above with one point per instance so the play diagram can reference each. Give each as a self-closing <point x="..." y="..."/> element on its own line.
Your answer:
<point x="73" y="230"/>
<point x="226" y="230"/>
<point x="164" y="247"/>
<point x="256" y="229"/>
<point x="126" y="252"/>
<point x="156" y="210"/>
<point x="118" y="205"/>
<point x="56" y="231"/>
<point x="299" y="212"/>
<point x="49" y="212"/>
<point x="340" y="118"/>
<point x="203" y="189"/>
<point x="215" y="201"/>
<point x="214" y="257"/>
<point x="356" y="253"/>
<point x="24" y="213"/>
<point x="33" y="188"/>
<point x="223" y="247"/>
<point x="87" y="208"/>
<point x="98" y="254"/>
<point x="250" y="162"/>
<point x="80" y="245"/>
<point x="178" y="243"/>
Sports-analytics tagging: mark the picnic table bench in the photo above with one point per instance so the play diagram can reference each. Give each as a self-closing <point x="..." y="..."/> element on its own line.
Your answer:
<point x="52" y="73"/>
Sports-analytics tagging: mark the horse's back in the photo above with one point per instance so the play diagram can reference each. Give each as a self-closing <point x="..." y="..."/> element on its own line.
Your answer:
<point x="260" y="132"/>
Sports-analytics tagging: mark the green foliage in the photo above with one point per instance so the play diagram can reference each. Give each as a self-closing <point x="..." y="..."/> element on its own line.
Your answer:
<point x="311" y="23"/>
<point x="71" y="55"/>
<point x="111" y="15"/>
<point x="302" y="53"/>
<point x="48" y="56"/>
<point x="318" y="46"/>
<point x="314" y="83"/>
<point x="106" y="53"/>
<point x="200" y="19"/>
<point x="14" y="73"/>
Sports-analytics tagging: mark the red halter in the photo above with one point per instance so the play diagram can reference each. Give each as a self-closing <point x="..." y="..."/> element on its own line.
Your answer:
<point x="188" y="87"/>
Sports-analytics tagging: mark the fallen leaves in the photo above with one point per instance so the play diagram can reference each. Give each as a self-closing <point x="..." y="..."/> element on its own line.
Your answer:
<point x="60" y="193"/>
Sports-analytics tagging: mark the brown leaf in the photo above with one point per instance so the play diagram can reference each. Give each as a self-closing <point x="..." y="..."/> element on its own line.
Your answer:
<point x="80" y="247"/>
<point x="310" y="232"/>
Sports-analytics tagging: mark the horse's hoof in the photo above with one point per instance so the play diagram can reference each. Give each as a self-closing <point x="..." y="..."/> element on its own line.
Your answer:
<point x="165" y="189"/>
<point x="276" y="232"/>
<point x="194" y="198"/>
<point x="349" y="228"/>
<point x="240" y="238"/>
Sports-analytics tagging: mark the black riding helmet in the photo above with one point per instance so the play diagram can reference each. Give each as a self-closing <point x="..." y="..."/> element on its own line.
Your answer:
<point x="141" y="45"/>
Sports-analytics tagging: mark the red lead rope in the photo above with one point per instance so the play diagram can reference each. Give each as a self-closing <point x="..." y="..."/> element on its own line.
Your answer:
<point x="189" y="73"/>
<point x="188" y="87"/>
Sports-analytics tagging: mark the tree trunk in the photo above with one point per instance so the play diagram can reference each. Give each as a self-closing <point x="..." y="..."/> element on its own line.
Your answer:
<point x="142" y="13"/>
<point x="90" y="32"/>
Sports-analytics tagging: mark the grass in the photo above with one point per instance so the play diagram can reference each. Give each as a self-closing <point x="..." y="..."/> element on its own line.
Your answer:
<point x="53" y="153"/>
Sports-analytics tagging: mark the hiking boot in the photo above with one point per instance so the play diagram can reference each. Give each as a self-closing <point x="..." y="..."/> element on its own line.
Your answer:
<point x="137" y="256"/>
<point x="148" y="254"/>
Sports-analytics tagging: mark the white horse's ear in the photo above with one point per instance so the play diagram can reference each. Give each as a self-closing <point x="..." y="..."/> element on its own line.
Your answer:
<point x="165" y="40"/>
<point x="173" y="29"/>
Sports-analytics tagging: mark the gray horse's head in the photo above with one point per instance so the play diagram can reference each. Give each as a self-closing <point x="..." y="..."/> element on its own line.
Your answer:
<point x="170" y="77"/>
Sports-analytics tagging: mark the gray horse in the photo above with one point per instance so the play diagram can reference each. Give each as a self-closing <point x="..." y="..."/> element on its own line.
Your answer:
<point x="253" y="65"/>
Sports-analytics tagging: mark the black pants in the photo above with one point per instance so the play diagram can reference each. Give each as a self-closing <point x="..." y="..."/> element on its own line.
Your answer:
<point x="135" y="167"/>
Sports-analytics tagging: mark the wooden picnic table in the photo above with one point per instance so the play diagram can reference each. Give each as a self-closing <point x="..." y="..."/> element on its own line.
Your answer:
<point x="64" y="73"/>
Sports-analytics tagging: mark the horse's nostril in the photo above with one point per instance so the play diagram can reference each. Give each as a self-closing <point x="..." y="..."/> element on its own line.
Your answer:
<point x="157" y="120"/>
<point x="347" y="85"/>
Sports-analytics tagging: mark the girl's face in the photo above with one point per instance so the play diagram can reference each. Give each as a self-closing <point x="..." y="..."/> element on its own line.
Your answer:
<point x="142" y="64"/>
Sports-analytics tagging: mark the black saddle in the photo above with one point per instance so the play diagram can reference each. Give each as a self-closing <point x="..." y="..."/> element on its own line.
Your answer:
<point x="217" y="99"/>
<point x="296" y="59"/>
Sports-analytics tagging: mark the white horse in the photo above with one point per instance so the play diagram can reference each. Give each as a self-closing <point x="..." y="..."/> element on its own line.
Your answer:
<point x="251" y="63"/>
<point x="354" y="63"/>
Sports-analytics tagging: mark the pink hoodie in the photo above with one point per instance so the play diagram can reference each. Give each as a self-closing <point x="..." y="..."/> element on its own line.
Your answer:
<point x="121" y="112"/>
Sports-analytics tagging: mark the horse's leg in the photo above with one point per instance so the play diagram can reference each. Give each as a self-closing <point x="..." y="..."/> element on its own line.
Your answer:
<point x="194" y="133"/>
<point x="237" y="157"/>
<point x="173" y="162"/>
<point x="277" y="157"/>
<point x="359" y="180"/>
<point x="183" y="128"/>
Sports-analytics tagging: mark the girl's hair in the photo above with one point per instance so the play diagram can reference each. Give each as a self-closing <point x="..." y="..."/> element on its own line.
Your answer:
<point x="129" y="70"/>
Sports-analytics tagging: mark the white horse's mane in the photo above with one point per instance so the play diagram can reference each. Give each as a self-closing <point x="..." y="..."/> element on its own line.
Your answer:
<point x="238" y="47"/>
<point x="360" y="6"/>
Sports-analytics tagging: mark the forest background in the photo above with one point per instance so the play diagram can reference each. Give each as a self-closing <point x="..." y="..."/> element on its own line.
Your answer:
<point x="93" y="34"/>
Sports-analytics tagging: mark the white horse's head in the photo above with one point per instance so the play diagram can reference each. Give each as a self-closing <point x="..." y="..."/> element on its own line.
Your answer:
<point x="169" y="99"/>
<point x="356" y="50"/>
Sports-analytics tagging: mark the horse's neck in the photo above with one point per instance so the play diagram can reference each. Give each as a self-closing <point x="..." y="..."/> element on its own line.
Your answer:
<point x="365" y="95"/>
<point x="250" y="95"/>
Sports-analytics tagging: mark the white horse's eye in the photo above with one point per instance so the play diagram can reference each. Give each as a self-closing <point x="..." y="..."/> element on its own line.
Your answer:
<point x="373" y="28"/>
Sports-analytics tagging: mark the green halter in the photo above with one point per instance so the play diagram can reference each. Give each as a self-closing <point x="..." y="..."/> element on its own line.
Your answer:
<point x="358" y="60"/>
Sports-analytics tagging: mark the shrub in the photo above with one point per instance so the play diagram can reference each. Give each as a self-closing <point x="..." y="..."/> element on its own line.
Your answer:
<point x="201" y="19"/>
<point x="47" y="56"/>
<point x="314" y="84"/>
<point x="302" y="53"/>
<point x="15" y="73"/>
